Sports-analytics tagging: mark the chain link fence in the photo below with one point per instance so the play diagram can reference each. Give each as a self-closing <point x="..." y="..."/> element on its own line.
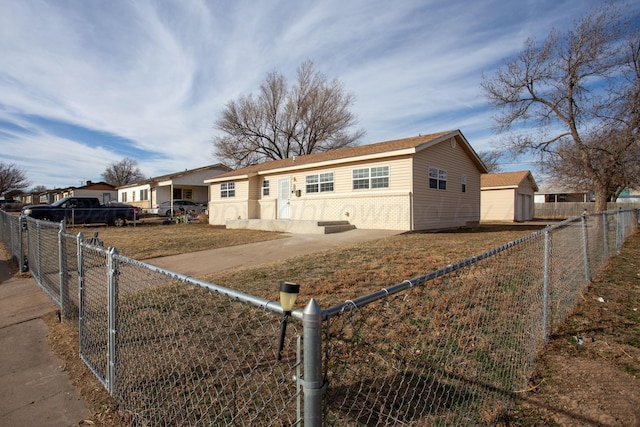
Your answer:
<point x="176" y="351"/>
<point x="452" y="347"/>
<point x="11" y="227"/>
<point x="455" y="347"/>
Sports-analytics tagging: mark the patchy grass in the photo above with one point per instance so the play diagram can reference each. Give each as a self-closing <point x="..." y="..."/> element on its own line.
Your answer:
<point x="333" y="276"/>
<point x="151" y="241"/>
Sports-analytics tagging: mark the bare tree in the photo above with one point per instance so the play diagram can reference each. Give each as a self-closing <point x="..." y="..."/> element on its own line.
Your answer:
<point x="12" y="179"/>
<point x="121" y="173"/>
<point x="39" y="189"/>
<point x="491" y="159"/>
<point x="278" y="122"/>
<point x="611" y="152"/>
<point x="571" y="92"/>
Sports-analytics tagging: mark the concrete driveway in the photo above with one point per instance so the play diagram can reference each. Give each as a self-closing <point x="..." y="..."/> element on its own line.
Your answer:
<point x="197" y="264"/>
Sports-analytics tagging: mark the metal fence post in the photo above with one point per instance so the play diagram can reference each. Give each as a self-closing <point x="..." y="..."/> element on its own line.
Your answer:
<point x="585" y="250"/>
<point x="62" y="255"/>
<point x="618" y="231"/>
<point x="81" y="292"/>
<point x="604" y="237"/>
<point x="545" y="288"/>
<point x="112" y="296"/>
<point x="22" y="232"/>
<point x="313" y="383"/>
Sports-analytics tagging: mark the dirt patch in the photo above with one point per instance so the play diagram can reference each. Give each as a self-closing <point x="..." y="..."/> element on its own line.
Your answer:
<point x="588" y="375"/>
<point x="63" y="341"/>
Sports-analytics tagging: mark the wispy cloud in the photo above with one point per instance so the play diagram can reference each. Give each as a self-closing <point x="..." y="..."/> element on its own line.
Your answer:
<point x="147" y="79"/>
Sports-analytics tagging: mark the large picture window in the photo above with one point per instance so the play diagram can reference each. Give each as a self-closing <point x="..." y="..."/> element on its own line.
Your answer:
<point x="437" y="179"/>
<point x="319" y="183"/>
<point x="227" y="189"/>
<point x="377" y="177"/>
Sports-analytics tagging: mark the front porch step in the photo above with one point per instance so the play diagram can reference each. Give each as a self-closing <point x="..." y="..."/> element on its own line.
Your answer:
<point x="335" y="226"/>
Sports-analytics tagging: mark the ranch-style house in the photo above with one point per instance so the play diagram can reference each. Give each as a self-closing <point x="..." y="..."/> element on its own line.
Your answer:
<point x="420" y="183"/>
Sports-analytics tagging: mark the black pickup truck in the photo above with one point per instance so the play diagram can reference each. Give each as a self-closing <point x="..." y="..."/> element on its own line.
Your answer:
<point x="83" y="210"/>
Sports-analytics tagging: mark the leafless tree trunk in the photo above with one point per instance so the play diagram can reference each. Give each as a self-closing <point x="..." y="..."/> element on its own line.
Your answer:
<point x="568" y="91"/>
<point x="278" y="122"/>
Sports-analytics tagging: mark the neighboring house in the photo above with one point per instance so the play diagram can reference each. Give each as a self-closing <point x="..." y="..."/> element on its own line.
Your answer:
<point x="419" y="183"/>
<point x="550" y="193"/>
<point x="185" y="185"/>
<point x="631" y="195"/>
<point x="101" y="190"/>
<point x="508" y="196"/>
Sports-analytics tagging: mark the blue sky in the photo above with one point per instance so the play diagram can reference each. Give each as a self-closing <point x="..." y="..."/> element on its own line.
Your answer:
<point x="87" y="83"/>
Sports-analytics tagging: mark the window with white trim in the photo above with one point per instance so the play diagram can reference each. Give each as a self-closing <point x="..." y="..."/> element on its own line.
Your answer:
<point x="437" y="179"/>
<point x="464" y="183"/>
<point x="319" y="183"/>
<point x="376" y="177"/>
<point x="265" y="187"/>
<point x="227" y="189"/>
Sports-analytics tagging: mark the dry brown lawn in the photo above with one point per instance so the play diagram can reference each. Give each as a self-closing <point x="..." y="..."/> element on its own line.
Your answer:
<point x="609" y="329"/>
<point x="152" y="240"/>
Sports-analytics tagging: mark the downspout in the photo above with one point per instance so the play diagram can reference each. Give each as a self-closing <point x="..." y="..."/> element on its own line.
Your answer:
<point x="411" y="224"/>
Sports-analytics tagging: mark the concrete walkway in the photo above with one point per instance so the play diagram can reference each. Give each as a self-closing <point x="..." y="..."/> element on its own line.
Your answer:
<point x="196" y="264"/>
<point x="34" y="388"/>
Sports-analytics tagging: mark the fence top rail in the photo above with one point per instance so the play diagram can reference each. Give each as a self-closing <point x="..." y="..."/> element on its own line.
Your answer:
<point x="385" y="292"/>
<point x="221" y="290"/>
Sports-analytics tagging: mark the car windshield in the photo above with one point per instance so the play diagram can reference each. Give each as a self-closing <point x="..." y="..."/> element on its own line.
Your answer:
<point x="59" y="202"/>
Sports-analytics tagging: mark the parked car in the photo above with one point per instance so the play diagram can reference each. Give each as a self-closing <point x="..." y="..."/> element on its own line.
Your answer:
<point x="10" y="204"/>
<point x="179" y="207"/>
<point x="83" y="210"/>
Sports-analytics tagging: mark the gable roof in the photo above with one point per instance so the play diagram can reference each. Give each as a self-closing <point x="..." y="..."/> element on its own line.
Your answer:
<point x="506" y="180"/>
<point x="175" y="175"/>
<point x="396" y="147"/>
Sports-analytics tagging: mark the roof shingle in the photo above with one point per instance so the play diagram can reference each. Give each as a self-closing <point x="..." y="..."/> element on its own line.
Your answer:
<point x="343" y="153"/>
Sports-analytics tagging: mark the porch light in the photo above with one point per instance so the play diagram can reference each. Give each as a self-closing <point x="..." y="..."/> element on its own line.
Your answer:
<point x="288" y="294"/>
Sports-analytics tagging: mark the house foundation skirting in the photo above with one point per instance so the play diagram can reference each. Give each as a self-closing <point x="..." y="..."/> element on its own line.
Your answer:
<point x="291" y="226"/>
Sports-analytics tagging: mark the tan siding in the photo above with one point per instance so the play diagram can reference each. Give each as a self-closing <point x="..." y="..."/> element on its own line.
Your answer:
<point x="406" y="204"/>
<point x="385" y="208"/>
<point x="221" y="210"/>
<point x="451" y="208"/>
<point x="498" y="205"/>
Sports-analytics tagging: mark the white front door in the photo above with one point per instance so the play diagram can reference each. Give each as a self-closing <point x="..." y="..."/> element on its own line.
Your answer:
<point x="284" y="197"/>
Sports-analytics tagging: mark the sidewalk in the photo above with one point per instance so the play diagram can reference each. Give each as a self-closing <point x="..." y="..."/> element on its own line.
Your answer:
<point x="34" y="388"/>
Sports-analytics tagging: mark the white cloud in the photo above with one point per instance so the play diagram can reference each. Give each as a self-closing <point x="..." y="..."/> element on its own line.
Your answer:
<point x="158" y="73"/>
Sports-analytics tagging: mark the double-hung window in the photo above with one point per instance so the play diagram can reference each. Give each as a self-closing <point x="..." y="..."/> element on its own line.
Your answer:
<point x="376" y="177"/>
<point x="319" y="183"/>
<point x="265" y="187"/>
<point x="437" y="179"/>
<point x="227" y="189"/>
